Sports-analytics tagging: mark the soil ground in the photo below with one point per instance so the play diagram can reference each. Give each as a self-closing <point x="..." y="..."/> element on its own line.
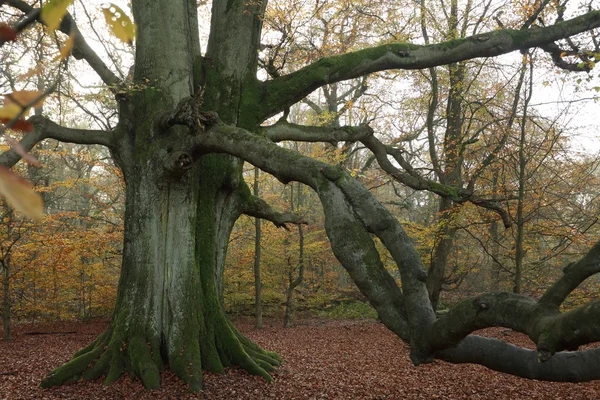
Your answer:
<point x="358" y="359"/>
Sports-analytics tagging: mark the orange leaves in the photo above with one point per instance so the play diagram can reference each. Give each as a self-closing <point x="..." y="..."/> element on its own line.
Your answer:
<point x="65" y="51"/>
<point x="19" y="193"/>
<point x="17" y="105"/>
<point x="24" y="99"/>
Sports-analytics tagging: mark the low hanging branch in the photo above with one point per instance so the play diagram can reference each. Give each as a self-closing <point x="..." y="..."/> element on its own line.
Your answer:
<point x="46" y="129"/>
<point x="353" y="215"/>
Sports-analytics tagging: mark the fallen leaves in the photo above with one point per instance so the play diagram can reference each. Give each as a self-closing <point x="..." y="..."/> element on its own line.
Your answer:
<point x="323" y="360"/>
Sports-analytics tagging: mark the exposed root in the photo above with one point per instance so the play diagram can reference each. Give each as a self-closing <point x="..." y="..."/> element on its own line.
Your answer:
<point x="113" y="354"/>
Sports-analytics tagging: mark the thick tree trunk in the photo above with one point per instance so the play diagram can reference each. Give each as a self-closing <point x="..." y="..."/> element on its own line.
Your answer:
<point x="168" y="311"/>
<point x="179" y="214"/>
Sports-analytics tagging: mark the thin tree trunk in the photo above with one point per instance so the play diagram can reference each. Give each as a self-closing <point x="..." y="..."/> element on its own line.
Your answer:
<point x="494" y="231"/>
<point x="520" y="222"/>
<point x="6" y="299"/>
<point x="441" y="252"/>
<point x="294" y="283"/>
<point x="257" y="283"/>
<point x="6" y="265"/>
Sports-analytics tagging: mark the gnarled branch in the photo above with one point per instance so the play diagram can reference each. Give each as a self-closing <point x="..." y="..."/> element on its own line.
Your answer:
<point x="287" y="131"/>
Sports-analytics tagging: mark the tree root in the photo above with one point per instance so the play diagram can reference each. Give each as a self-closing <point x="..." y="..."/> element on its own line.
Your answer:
<point x="113" y="354"/>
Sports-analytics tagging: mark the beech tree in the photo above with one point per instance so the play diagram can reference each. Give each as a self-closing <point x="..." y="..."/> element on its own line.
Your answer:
<point x="185" y="129"/>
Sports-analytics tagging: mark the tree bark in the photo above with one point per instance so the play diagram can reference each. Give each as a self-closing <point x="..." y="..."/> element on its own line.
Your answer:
<point x="182" y="201"/>
<point x="293" y="283"/>
<point x="6" y="299"/>
<point x="256" y="267"/>
<point x="178" y="215"/>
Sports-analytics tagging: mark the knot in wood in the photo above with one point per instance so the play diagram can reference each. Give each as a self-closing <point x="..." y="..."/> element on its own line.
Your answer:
<point x="184" y="161"/>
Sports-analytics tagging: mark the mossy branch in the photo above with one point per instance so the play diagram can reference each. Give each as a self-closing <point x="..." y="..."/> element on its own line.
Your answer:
<point x="282" y="92"/>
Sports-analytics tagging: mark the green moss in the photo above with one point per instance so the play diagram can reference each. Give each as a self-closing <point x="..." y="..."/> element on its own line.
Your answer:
<point x="445" y="190"/>
<point x="142" y="363"/>
<point x="71" y="370"/>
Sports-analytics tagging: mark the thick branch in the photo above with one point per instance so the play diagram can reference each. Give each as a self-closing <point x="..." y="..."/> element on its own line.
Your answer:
<point x="569" y="330"/>
<point x="500" y="356"/>
<point x="81" y="49"/>
<point x="46" y="129"/>
<point x="574" y="274"/>
<point x="348" y="232"/>
<point x="258" y="208"/>
<point x="300" y="133"/>
<point x="282" y="92"/>
<point x="491" y="309"/>
<point x="352" y="215"/>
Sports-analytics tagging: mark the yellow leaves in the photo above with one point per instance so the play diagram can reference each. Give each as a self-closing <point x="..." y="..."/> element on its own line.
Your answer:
<point x="65" y="51"/>
<point x="17" y="104"/>
<point x="119" y="23"/>
<point x="20" y="195"/>
<point x="24" y="99"/>
<point x="9" y="112"/>
<point x="53" y="12"/>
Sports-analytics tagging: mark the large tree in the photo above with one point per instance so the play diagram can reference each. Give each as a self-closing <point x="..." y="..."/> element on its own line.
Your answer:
<point x="182" y="136"/>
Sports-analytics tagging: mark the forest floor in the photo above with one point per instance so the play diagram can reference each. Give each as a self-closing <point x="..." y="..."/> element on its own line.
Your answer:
<point x="350" y="359"/>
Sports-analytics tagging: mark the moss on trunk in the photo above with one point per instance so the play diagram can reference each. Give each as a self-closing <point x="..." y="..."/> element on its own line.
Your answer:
<point x="168" y="312"/>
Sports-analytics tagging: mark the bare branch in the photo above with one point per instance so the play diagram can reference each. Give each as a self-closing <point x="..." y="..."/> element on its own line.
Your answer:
<point x="573" y="275"/>
<point x="81" y="49"/>
<point x="46" y="129"/>
<point x="415" y="181"/>
<point x="23" y="23"/>
<point x="535" y="14"/>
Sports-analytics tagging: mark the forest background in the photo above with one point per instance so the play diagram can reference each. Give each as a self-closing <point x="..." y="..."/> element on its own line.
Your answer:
<point x="544" y="171"/>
